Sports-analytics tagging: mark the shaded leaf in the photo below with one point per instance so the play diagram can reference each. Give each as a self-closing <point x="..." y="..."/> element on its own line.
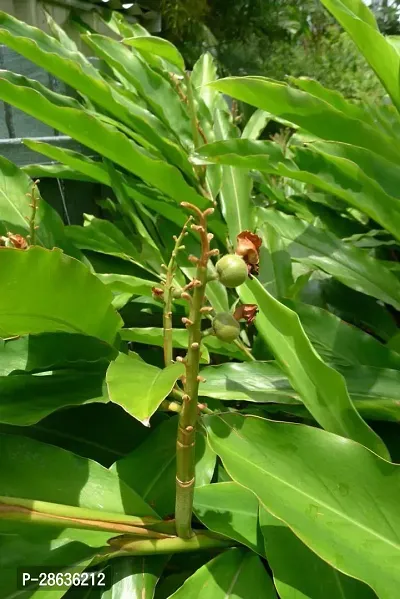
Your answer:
<point x="235" y="573"/>
<point x="150" y="468"/>
<point x="231" y="510"/>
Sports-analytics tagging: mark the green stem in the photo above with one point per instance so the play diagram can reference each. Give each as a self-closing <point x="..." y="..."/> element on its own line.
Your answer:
<point x="34" y="195"/>
<point x="185" y="449"/>
<point x="244" y="349"/>
<point x="65" y="516"/>
<point x="192" y="112"/>
<point x="123" y="546"/>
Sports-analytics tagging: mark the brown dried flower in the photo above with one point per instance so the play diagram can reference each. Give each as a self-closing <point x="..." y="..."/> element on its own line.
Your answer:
<point x="248" y="246"/>
<point x="246" y="312"/>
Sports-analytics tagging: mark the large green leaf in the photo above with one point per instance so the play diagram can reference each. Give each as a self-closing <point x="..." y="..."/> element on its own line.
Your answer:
<point x="339" y="498"/>
<point x="231" y="510"/>
<point x="58" y="554"/>
<point x="340" y="169"/>
<point x="321" y="249"/>
<point x="103" y="138"/>
<point x="78" y="72"/>
<point x="152" y="87"/>
<point x="309" y="112"/>
<point x="322" y="389"/>
<point x="140" y="387"/>
<point x="97" y="171"/>
<point x="34" y="470"/>
<point x="275" y="263"/>
<point x="236" y="574"/>
<point x="298" y="572"/>
<point x="150" y="468"/>
<point x="15" y="209"/>
<point x="63" y="296"/>
<point x="374" y="391"/>
<point x="380" y="54"/>
<point x="135" y="578"/>
<point x="337" y="341"/>
<point x="53" y="351"/>
<point x="236" y="183"/>
<point x="27" y="398"/>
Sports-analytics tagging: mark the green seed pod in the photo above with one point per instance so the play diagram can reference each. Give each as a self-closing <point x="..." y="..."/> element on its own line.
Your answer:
<point x="225" y="327"/>
<point x="232" y="270"/>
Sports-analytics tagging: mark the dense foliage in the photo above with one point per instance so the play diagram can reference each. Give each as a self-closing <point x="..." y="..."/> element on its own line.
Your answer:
<point x="200" y="392"/>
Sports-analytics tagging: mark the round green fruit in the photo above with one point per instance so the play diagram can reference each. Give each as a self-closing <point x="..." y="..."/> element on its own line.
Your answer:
<point x="232" y="270"/>
<point x="225" y="327"/>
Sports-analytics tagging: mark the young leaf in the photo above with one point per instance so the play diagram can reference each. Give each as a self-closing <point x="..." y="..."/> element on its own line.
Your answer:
<point x="322" y="389"/>
<point x="159" y="47"/>
<point x="140" y="387"/>
<point x="48" y="292"/>
<point x="324" y="487"/>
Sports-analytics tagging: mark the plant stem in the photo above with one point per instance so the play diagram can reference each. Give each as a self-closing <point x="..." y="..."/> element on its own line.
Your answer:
<point x="185" y="448"/>
<point x="168" y="297"/>
<point x="192" y="112"/>
<point x="34" y="196"/>
<point x="244" y="349"/>
<point x="123" y="546"/>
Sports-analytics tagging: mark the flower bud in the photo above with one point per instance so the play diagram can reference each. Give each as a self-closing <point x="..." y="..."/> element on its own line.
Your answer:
<point x="232" y="270"/>
<point x="225" y="327"/>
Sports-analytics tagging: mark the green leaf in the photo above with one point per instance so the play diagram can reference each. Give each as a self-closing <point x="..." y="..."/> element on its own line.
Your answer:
<point x="53" y="351"/>
<point x="321" y="249"/>
<point x="97" y="171"/>
<point x="139" y="387"/>
<point x="58" y="554"/>
<point x="335" y="173"/>
<point x="235" y="574"/>
<point x="79" y="74"/>
<point x="159" y="47"/>
<point x="309" y="112"/>
<point x="34" y="470"/>
<point x="205" y="71"/>
<point x="115" y="435"/>
<point x="103" y="138"/>
<point x="231" y="510"/>
<point x="27" y="398"/>
<point x="300" y="573"/>
<point x="155" y="336"/>
<point x="99" y="235"/>
<point x="236" y="184"/>
<point x="15" y="208"/>
<point x="135" y="578"/>
<point x="127" y="284"/>
<point x="150" y="85"/>
<point x="337" y="341"/>
<point x="275" y="264"/>
<point x="322" y="389"/>
<point x="256" y="124"/>
<point x="325" y="488"/>
<point x="63" y="296"/>
<point x="374" y="391"/>
<point x="150" y="468"/>
<point x="380" y="54"/>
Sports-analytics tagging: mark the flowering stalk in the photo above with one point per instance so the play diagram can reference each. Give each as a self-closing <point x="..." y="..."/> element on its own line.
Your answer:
<point x="168" y="290"/>
<point x="34" y="197"/>
<point x="185" y="450"/>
